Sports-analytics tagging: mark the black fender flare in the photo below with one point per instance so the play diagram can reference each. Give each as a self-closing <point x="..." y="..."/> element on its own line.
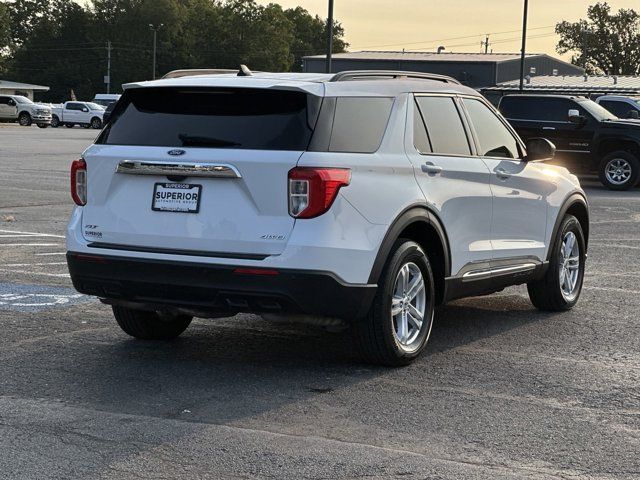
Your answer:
<point x="413" y="214"/>
<point x="573" y="199"/>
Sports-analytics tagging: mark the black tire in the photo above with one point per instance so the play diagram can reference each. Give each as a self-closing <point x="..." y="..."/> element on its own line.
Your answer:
<point x="69" y="125"/>
<point x="147" y="325"/>
<point x="86" y="126"/>
<point x="55" y="121"/>
<point x="24" y="119"/>
<point x="96" y="123"/>
<point x="43" y="125"/>
<point x="375" y="335"/>
<point x="628" y="166"/>
<point x="546" y="294"/>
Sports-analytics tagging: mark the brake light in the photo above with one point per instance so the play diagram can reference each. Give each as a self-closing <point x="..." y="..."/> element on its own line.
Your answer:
<point x="312" y="191"/>
<point x="79" y="182"/>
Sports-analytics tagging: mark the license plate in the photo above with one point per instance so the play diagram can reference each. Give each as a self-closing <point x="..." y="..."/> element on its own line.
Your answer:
<point x="176" y="197"/>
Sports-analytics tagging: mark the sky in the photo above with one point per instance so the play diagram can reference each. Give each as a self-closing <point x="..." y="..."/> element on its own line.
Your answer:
<point x="427" y="24"/>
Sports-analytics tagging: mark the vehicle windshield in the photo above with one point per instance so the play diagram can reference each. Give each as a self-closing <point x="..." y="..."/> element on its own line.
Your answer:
<point x="241" y="118"/>
<point x="95" y="106"/>
<point x="598" y="111"/>
<point x="21" y="99"/>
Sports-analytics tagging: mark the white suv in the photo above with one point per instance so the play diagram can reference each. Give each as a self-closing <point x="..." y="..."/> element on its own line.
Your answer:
<point x="368" y="197"/>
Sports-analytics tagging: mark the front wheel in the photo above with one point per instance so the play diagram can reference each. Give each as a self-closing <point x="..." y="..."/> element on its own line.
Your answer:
<point x="561" y="286"/>
<point x="398" y="326"/>
<point x="24" y="119"/>
<point x="619" y="170"/>
<point x="96" y="123"/>
<point x="147" y="325"/>
<point x="55" y="121"/>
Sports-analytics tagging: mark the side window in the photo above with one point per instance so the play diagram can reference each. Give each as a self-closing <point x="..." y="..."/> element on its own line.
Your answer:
<point x="359" y="124"/>
<point x="74" y="106"/>
<point x="619" y="109"/>
<point x="420" y="138"/>
<point x="444" y="125"/>
<point x="494" y="137"/>
<point x="4" y="100"/>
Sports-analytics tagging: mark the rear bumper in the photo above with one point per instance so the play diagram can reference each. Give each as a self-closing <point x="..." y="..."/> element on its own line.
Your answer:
<point x="217" y="289"/>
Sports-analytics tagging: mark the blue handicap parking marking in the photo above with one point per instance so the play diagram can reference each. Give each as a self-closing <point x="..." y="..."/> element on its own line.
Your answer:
<point x="35" y="298"/>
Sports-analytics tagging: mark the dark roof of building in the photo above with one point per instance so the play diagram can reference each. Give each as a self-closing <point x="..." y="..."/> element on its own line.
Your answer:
<point x="573" y="84"/>
<point x="429" y="56"/>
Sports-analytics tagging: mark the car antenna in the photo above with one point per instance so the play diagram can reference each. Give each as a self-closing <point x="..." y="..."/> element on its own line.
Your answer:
<point x="244" y="71"/>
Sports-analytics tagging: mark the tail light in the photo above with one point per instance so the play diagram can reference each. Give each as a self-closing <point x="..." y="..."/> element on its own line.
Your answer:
<point x="312" y="191"/>
<point x="79" y="182"/>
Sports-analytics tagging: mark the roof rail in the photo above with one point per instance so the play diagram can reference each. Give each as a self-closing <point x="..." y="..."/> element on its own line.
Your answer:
<point x="390" y="74"/>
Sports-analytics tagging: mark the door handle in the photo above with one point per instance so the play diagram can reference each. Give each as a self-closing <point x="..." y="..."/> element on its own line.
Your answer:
<point x="549" y="128"/>
<point x="502" y="173"/>
<point x="431" y="169"/>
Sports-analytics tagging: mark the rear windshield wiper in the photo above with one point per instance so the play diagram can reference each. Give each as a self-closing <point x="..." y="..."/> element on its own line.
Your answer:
<point x="194" y="141"/>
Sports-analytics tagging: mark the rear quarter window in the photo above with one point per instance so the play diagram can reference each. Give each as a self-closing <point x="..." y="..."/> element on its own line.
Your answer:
<point x="546" y="109"/>
<point x="359" y="124"/>
<point x="239" y="118"/>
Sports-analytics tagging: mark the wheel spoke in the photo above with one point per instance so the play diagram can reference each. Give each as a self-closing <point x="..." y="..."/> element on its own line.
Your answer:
<point x="396" y="306"/>
<point x="415" y="316"/>
<point x="402" y="327"/>
<point x="415" y="287"/>
<point x="404" y="278"/>
<point x="569" y="244"/>
<point x="573" y="263"/>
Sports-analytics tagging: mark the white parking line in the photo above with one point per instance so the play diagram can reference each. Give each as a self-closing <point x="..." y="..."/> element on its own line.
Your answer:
<point x="34" y="234"/>
<point x="30" y="244"/>
<point x="13" y="265"/>
<point x="23" y="272"/>
<point x="49" y="254"/>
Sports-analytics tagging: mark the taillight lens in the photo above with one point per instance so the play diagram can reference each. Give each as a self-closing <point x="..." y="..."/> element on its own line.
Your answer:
<point x="79" y="182"/>
<point x="313" y="190"/>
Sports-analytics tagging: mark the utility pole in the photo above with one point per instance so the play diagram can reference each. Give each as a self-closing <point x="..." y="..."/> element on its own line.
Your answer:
<point x="329" y="38"/>
<point x="524" y="43"/>
<point x="155" y="40"/>
<point x="486" y="44"/>
<point x="108" y="78"/>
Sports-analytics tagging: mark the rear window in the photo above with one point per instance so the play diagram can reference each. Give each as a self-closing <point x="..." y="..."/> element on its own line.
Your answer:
<point x="549" y="109"/>
<point x="359" y="124"/>
<point x="210" y="118"/>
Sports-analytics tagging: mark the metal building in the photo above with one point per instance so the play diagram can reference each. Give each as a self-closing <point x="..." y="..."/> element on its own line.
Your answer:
<point x="476" y="70"/>
<point x="583" y="85"/>
<point x="24" y="89"/>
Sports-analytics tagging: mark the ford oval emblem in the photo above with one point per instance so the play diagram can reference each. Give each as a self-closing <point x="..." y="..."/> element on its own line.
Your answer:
<point x="176" y="152"/>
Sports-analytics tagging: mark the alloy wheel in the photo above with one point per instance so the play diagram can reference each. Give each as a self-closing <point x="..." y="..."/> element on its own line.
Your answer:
<point x="618" y="171"/>
<point x="569" y="271"/>
<point x="409" y="307"/>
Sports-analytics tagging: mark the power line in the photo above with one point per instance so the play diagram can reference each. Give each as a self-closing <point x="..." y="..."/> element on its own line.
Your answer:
<point x="439" y="40"/>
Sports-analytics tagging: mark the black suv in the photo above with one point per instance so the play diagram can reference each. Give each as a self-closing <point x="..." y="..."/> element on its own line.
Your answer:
<point x="588" y="137"/>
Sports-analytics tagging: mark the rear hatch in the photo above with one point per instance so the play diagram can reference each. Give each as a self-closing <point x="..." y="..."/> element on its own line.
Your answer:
<point x="197" y="170"/>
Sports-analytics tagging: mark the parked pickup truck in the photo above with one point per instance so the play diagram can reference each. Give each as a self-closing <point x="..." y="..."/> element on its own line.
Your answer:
<point x="588" y="137"/>
<point x="85" y="114"/>
<point x="16" y="108"/>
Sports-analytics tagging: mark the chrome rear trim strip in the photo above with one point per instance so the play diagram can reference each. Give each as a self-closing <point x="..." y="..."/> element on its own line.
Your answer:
<point x="212" y="170"/>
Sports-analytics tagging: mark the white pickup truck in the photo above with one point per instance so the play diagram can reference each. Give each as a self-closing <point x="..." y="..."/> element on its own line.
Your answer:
<point x="18" y="108"/>
<point x="85" y="114"/>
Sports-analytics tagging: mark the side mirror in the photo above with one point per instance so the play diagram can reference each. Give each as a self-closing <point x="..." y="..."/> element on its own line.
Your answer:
<point x="633" y="114"/>
<point x="575" y="117"/>
<point x="11" y="103"/>
<point x="540" y="149"/>
<point x="85" y="109"/>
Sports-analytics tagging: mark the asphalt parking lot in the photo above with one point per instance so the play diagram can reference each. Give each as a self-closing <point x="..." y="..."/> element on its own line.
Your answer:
<point x="503" y="391"/>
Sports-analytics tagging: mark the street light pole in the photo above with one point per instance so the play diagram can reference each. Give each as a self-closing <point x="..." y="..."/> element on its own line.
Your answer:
<point x="329" y="37"/>
<point x="524" y="43"/>
<point x="155" y="38"/>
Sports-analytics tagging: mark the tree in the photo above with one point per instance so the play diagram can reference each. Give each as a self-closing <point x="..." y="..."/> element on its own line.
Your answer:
<point x="5" y="33"/>
<point x="604" y="42"/>
<point x="62" y="43"/>
<point x="310" y="35"/>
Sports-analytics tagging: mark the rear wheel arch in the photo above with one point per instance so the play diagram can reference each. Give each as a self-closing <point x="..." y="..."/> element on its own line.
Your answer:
<point x="423" y="226"/>
<point x="577" y="206"/>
